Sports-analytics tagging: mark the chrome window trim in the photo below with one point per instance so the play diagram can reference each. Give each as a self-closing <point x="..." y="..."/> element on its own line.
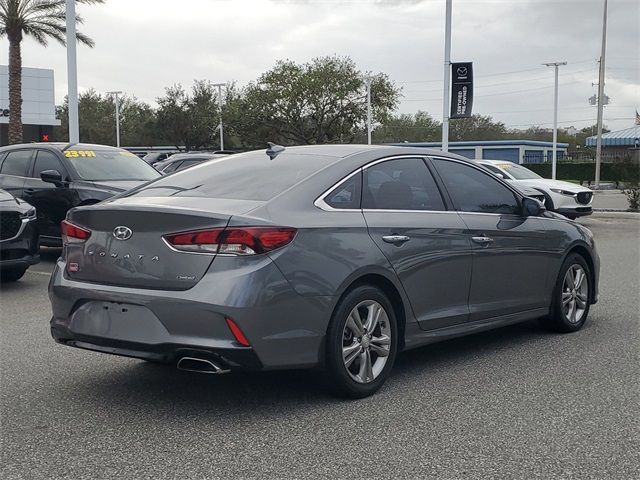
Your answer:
<point x="322" y="205"/>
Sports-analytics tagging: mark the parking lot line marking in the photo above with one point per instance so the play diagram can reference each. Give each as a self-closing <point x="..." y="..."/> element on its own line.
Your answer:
<point x="39" y="273"/>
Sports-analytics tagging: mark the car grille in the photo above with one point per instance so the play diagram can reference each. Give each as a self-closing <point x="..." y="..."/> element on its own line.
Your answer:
<point x="584" y="197"/>
<point x="9" y="224"/>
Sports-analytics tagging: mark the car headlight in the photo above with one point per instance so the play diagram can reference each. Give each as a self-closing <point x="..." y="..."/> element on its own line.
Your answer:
<point x="563" y="192"/>
<point x="29" y="214"/>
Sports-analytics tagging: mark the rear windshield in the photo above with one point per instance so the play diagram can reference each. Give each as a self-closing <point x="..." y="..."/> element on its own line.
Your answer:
<point x="247" y="176"/>
<point x="109" y="164"/>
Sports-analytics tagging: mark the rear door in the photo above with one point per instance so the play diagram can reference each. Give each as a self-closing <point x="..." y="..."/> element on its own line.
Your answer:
<point x="426" y="244"/>
<point x="512" y="253"/>
<point x="52" y="202"/>
<point x="14" y="169"/>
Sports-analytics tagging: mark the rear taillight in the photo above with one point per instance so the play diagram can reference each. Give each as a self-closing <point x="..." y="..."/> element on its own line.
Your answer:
<point x="237" y="333"/>
<point x="72" y="233"/>
<point x="233" y="240"/>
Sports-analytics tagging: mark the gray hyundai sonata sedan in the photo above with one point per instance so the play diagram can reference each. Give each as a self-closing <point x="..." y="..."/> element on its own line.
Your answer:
<point x="336" y="257"/>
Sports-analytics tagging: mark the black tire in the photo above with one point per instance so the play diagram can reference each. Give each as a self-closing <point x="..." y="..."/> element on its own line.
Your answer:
<point x="337" y="376"/>
<point x="12" y="274"/>
<point x="558" y="320"/>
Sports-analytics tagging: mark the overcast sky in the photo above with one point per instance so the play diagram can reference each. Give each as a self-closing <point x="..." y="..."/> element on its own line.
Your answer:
<point x="143" y="46"/>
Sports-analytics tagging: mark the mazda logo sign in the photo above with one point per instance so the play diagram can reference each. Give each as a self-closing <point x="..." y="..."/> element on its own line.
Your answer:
<point x="122" y="233"/>
<point x="462" y="71"/>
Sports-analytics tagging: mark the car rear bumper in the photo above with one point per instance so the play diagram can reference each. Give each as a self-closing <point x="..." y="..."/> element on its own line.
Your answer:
<point x="284" y="329"/>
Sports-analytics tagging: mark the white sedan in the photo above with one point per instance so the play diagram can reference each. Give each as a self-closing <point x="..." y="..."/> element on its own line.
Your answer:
<point x="566" y="198"/>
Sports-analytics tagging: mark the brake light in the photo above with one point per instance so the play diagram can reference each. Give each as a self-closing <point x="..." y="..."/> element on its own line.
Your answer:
<point x="237" y="333"/>
<point x="232" y="241"/>
<point x="72" y="233"/>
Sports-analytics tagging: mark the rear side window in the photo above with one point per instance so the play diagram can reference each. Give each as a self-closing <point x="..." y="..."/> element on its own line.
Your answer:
<point x="475" y="191"/>
<point x="401" y="184"/>
<point x="189" y="163"/>
<point x="347" y="194"/>
<point x="172" y="167"/>
<point x="247" y="176"/>
<point x="47" y="161"/>
<point x="16" y="163"/>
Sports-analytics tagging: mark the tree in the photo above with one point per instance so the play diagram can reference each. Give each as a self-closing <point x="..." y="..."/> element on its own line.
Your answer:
<point x="322" y="101"/>
<point x="97" y="120"/>
<point x="188" y="120"/>
<point x="41" y="20"/>
<point x="419" y="127"/>
<point x="476" y="127"/>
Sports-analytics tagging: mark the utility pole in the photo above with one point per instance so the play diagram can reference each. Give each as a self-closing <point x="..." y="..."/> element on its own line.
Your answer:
<point x="367" y="81"/>
<point x="72" y="73"/>
<point x="220" y="85"/>
<point x="555" y="117"/>
<point x="447" y="78"/>
<point x="601" y="96"/>
<point x="115" y="94"/>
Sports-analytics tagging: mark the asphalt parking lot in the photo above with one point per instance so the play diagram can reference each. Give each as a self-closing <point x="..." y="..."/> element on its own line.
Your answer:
<point x="513" y="403"/>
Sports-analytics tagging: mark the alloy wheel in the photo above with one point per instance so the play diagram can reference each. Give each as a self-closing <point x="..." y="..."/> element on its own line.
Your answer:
<point x="366" y="341"/>
<point x="575" y="293"/>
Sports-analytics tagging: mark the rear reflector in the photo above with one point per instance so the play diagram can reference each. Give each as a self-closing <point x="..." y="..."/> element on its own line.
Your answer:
<point x="232" y="241"/>
<point x="237" y="333"/>
<point x="72" y="233"/>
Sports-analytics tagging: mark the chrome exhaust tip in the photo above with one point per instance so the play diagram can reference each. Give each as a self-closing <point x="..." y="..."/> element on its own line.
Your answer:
<point x="200" y="365"/>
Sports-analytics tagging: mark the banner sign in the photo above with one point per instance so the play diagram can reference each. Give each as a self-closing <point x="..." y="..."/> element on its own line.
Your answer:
<point x="461" y="90"/>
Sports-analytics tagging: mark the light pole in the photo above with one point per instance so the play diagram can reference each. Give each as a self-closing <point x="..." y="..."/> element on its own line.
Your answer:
<point x="447" y="78"/>
<point x="220" y="85"/>
<point x="115" y="94"/>
<point x="555" y="117"/>
<point x="72" y="73"/>
<point x="601" y="96"/>
<point x="367" y="81"/>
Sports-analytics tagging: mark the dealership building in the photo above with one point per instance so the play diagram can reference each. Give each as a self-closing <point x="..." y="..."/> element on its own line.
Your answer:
<point x="517" y="151"/>
<point x="38" y="104"/>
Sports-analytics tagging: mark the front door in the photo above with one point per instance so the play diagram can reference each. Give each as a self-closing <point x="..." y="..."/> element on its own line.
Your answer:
<point x="512" y="253"/>
<point x="426" y="244"/>
<point x="52" y="202"/>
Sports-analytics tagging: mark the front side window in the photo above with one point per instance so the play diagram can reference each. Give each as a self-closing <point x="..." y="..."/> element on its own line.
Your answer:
<point x="401" y="184"/>
<point x="473" y="190"/>
<point x="47" y="161"/>
<point x="16" y="163"/>
<point x="347" y="194"/>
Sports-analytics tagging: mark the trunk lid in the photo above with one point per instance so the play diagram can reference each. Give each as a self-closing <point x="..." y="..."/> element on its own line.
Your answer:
<point x="139" y="257"/>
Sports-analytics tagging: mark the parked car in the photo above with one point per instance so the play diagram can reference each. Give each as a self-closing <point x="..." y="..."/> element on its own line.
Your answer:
<point x="337" y="256"/>
<point x="566" y="198"/>
<point x="180" y="161"/>
<point x="155" y="157"/>
<point x="54" y="177"/>
<point x="18" y="237"/>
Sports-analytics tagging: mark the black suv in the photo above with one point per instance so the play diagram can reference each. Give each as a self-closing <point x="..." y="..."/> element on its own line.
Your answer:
<point x="54" y="177"/>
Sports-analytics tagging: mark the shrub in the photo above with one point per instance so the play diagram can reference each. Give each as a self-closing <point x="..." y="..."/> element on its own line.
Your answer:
<point x="632" y="191"/>
<point x="627" y="172"/>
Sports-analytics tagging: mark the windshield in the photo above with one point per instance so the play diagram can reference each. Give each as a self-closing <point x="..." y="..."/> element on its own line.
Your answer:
<point x="247" y="176"/>
<point x="109" y="164"/>
<point x="518" y="171"/>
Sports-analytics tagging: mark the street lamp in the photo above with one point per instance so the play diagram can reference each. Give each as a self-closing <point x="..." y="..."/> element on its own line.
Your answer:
<point x="367" y="82"/>
<point x="72" y="72"/>
<point x="220" y="85"/>
<point x="115" y="94"/>
<point x="555" y="117"/>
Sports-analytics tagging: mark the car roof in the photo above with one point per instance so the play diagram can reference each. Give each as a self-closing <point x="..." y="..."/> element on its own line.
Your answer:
<point x="191" y="156"/>
<point x="60" y="146"/>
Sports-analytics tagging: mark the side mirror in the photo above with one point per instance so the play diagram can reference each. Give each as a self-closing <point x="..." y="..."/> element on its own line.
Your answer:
<point x="532" y="207"/>
<point x="499" y="175"/>
<point x="51" y="176"/>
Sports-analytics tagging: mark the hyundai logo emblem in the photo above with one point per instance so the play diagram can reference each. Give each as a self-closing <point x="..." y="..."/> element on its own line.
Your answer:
<point x="122" y="233"/>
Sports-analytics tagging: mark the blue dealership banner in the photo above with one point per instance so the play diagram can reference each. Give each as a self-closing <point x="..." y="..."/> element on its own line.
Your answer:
<point x="461" y="90"/>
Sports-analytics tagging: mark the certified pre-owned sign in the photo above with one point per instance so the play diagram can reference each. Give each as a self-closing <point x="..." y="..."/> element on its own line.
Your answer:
<point x="461" y="90"/>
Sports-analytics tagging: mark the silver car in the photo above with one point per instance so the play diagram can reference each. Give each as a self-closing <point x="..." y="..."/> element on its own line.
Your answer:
<point x="337" y="257"/>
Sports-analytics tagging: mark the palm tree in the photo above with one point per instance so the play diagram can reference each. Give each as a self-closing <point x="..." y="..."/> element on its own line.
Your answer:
<point x="40" y="20"/>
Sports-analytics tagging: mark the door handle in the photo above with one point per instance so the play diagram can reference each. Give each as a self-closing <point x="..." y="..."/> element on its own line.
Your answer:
<point x="396" y="239"/>
<point x="483" y="240"/>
